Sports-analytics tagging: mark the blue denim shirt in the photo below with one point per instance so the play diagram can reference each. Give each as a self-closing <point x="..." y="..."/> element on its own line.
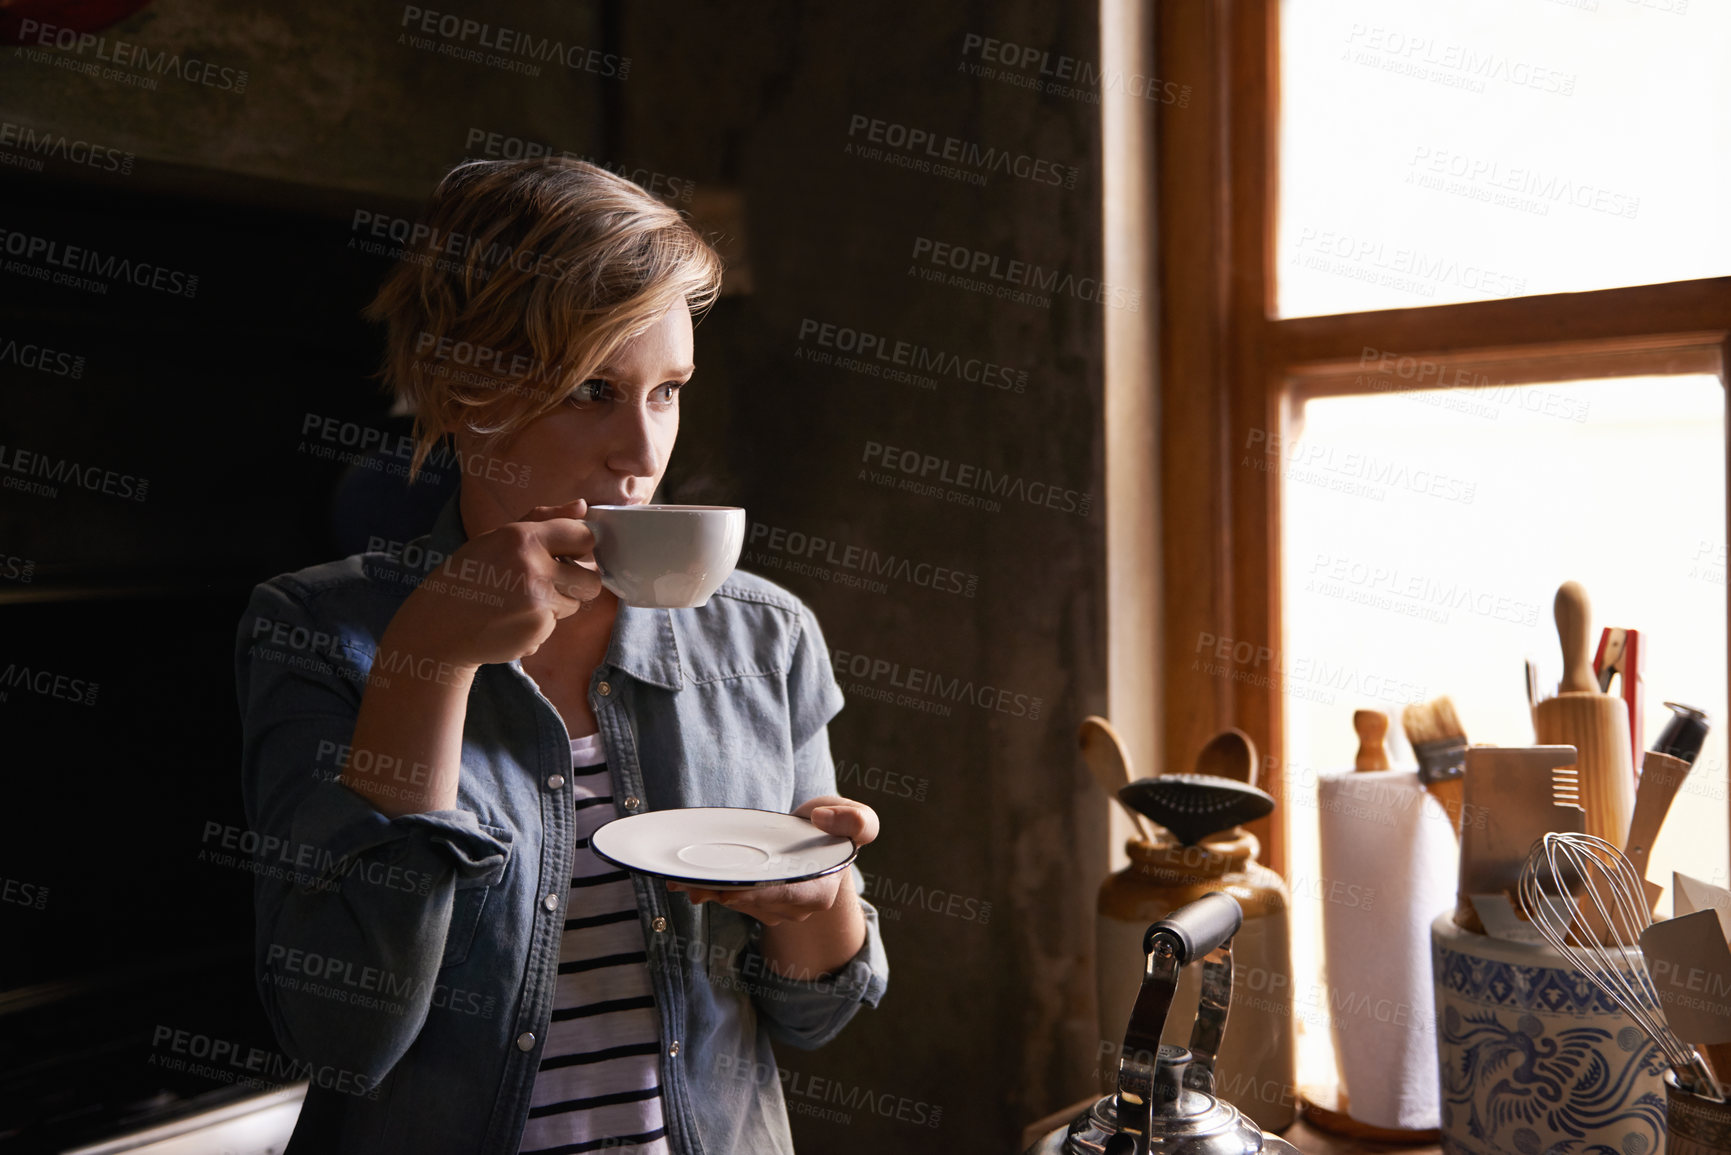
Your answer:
<point x="408" y="964"/>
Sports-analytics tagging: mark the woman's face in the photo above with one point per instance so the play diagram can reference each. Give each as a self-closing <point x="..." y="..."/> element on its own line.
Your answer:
<point x="609" y="444"/>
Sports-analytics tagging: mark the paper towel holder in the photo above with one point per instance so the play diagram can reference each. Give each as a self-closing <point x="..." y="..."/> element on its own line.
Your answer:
<point x="1328" y="1107"/>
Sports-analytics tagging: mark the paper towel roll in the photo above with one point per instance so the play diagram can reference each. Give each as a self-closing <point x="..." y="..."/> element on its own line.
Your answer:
<point x="1389" y="862"/>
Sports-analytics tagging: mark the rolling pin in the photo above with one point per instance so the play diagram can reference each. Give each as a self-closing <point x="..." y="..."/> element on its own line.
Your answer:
<point x="1596" y="724"/>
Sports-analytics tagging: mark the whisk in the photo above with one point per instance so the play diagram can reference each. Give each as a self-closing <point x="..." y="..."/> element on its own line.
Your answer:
<point x="1564" y="864"/>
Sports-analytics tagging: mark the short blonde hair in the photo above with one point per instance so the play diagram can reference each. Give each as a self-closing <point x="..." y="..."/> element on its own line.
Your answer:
<point x="523" y="278"/>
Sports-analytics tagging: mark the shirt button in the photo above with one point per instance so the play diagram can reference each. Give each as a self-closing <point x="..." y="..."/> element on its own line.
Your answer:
<point x="660" y="924"/>
<point x="555" y="781"/>
<point x="674" y="1048"/>
<point x="604" y="689"/>
<point x="551" y="902"/>
<point x="526" y="1041"/>
<point x="633" y="802"/>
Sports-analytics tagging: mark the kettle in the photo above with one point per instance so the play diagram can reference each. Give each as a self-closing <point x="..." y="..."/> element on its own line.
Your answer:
<point x="1165" y="1104"/>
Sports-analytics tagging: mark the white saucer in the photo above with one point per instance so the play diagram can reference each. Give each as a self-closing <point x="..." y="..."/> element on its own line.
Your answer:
<point x="722" y="847"/>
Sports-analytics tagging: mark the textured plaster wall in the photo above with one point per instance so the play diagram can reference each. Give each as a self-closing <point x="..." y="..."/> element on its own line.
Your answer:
<point x="967" y="667"/>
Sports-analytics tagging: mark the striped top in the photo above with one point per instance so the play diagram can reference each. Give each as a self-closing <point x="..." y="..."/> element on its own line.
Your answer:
<point x="599" y="1083"/>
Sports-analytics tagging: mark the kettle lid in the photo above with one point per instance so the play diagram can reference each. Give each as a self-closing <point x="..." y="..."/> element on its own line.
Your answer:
<point x="1203" y="1125"/>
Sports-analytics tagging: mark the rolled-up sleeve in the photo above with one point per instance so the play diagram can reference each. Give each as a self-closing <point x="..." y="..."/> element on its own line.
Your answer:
<point x="809" y="1013"/>
<point x="352" y="907"/>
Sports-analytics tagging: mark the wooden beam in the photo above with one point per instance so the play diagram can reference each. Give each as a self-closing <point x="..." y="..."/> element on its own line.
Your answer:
<point x="1195" y="534"/>
<point x="1250" y="69"/>
<point x="1640" y="313"/>
<point x="1220" y="527"/>
<point x="1373" y="372"/>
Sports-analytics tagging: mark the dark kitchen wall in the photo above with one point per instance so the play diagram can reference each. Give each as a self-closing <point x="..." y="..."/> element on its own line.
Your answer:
<point x="990" y="1019"/>
<point x="903" y="385"/>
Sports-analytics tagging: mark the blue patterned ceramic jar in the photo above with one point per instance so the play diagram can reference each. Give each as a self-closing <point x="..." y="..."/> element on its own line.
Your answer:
<point x="1534" y="1058"/>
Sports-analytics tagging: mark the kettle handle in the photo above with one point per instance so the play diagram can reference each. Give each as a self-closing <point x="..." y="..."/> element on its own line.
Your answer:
<point x="1197" y="929"/>
<point x="1210" y="1025"/>
<point x="1202" y="929"/>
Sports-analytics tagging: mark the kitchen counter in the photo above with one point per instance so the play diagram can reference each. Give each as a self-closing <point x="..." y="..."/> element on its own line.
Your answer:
<point x="1306" y="1138"/>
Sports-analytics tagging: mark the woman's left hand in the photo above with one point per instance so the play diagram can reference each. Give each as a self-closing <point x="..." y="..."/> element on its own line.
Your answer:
<point x="798" y="901"/>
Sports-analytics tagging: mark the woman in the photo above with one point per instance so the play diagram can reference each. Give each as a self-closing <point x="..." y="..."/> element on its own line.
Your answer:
<point x="431" y="734"/>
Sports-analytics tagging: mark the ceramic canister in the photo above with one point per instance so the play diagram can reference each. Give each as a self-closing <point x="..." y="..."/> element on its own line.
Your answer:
<point x="1696" y="1126"/>
<point x="1534" y="1058"/>
<point x="1257" y="1067"/>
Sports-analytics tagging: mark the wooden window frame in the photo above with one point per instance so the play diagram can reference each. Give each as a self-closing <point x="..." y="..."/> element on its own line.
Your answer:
<point x="1228" y="367"/>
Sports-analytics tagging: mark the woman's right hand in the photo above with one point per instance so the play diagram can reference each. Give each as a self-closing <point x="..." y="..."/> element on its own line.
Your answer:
<point x="498" y="597"/>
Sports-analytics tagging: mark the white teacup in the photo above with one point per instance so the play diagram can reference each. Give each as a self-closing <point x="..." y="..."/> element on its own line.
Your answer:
<point x="666" y="557"/>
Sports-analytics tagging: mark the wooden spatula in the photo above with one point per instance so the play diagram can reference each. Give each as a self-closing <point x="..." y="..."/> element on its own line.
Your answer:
<point x="1661" y="777"/>
<point x="1109" y="762"/>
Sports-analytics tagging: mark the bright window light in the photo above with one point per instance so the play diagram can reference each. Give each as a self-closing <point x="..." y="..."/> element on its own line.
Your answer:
<point x="1425" y="535"/>
<point x="1433" y="153"/>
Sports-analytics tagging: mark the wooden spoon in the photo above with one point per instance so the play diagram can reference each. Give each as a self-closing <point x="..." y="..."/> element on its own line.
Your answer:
<point x="1109" y="762"/>
<point x="1229" y="754"/>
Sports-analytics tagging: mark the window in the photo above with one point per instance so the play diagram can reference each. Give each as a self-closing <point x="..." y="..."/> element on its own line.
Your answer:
<point x="1434" y="153"/>
<point x="1626" y="312"/>
<point x="1424" y="534"/>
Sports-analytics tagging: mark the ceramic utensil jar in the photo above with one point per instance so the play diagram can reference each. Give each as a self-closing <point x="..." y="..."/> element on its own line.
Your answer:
<point x="1534" y="1057"/>
<point x="1257" y="1063"/>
